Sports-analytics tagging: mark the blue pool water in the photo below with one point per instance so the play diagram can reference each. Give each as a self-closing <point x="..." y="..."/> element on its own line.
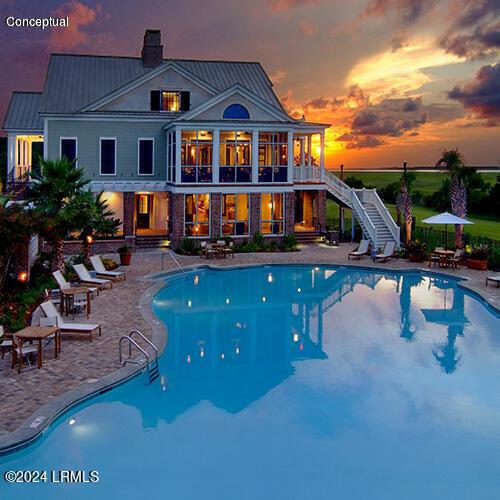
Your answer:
<point x="295" y="382"/>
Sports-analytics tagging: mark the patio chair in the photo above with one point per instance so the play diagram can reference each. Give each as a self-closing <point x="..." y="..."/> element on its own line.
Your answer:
<point x="5" y="345"/>
<point x="360" y="251"/>
<point x="86" y="279"/>
<point x="434" y="259"/>
<point x="493" y="279"/>
<point x="28" y="351"/>
<point x="387" y="252"/>
<point x="456" y="260"/>
<point x="51" y="312"/>
<point x="229" y="250"/>
<point x="63" y="284"/>
<point x="101" y="271"/>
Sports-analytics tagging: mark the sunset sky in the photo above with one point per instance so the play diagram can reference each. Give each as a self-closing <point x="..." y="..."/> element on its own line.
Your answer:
<point x="397" y="79"/>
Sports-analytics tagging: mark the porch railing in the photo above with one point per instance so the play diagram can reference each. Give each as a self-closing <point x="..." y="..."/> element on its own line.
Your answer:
<point x="306" y="173"/>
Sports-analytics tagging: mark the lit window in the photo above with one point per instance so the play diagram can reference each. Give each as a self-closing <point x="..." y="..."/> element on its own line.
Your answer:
<point x="196" y="156"/>
<point x="235" y="214"/>
<point x="235" y="156"/>
<point x="271" y="213"/>
<point x="170" y="101"/>
<point x="197" y="215"/>
<point x="236" y="112"/>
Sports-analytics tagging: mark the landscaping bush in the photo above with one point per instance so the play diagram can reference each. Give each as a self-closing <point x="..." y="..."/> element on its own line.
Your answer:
<point x="109" y="264"/>
<point x="494" y="259"/>
<point x="258" y="240"/>
<point x="188" y="246"/>
<point x="289" y="243"/>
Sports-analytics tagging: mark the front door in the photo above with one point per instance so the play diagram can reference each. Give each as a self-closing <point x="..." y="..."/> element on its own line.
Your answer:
<point x="144" y="209"/>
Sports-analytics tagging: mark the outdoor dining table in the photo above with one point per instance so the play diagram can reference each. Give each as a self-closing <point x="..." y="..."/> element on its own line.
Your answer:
<point x="219" y="249"/>
<point x="39" y="333"/>
<point x="68" y="298"/>
<point x="443" y="254"/>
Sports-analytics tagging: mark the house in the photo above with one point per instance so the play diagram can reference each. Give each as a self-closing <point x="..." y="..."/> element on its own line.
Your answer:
<point x="192" y="148"/>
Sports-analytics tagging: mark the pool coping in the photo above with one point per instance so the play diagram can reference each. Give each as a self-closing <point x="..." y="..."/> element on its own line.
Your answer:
<point x="35" y="426"/>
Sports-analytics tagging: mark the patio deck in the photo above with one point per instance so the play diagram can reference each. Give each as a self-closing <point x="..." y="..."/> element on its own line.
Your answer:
<point x="82" y="362"/>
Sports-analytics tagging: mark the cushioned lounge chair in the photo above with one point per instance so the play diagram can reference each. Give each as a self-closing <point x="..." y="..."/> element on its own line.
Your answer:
<point x="86" y="279"/>
<point x="102" y="272"/>
<point x="360" y="251"/>
<point x="387" y="252"/>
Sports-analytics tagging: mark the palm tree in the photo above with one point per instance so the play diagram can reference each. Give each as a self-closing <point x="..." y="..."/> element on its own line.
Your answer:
<point x="57" y="192"/>
<point x="99" y="221"/>
<point x="453" y="163"/>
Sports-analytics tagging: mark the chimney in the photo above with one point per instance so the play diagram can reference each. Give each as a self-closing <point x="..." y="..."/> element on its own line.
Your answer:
<point x="152" y="50"/>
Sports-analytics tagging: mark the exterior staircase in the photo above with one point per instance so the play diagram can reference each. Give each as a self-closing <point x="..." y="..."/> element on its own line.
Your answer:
<point x="152" y="241"/>
<point x="372" y="215"/>
<point x="306" y="237"/>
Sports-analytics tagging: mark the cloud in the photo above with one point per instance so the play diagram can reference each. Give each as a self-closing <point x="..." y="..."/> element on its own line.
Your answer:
<point x="360" y="142"/>
<point x="475" y="30"/>
<point x="278" y="76"/>
<point x="307" y="28"/>
<point x="406" y="12"/>
<point x="286" y="5"/>
<point x="482" y="94"/>
<point x="80" y="15"/>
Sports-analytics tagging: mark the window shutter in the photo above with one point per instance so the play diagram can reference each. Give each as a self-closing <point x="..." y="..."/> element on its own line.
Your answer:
<point x="155" y="100"/>
<point x="185" y="100"/>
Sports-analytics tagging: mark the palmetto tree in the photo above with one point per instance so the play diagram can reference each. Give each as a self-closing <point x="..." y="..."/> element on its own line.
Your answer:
<point x="57" y="193"/>
<point x="452" y="162"/>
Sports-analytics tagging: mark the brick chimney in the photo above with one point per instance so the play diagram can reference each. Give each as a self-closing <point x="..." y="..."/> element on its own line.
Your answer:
<point x="152" y="50"/>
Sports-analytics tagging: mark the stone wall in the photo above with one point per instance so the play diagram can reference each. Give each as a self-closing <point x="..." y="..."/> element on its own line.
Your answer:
<point x="322" y="209"/>
<point x="254" y="213"/>
<point x="215" y="214"/>
<point x="128" y="213"/>
<point x="289" y="212"/>
<point x="176" y="217"/>
<point x="74" y="247"/>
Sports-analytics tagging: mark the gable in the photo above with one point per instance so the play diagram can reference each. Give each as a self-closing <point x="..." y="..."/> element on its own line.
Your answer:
<point x="138" y="99"/>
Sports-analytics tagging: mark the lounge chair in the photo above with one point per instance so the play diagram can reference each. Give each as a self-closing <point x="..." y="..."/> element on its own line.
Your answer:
<point x="493" y="279"/>
<point x="387" y="252"/>
<point x="28" y="350"/>
<point x="101" y="271"/>
<point x="86" y="279"/>
<point x="360" y="251"/>
<point x="63" y="284"/>
<point x="50" y="311"/>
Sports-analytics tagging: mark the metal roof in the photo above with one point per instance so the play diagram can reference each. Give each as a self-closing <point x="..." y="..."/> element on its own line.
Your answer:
<point x="74" y="81"/>
<point x="23" y="112"/>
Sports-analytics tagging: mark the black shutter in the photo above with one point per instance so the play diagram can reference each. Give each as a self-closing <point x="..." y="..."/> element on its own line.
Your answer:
<point x="185" y="100"/>
<point x="155" y="100"/>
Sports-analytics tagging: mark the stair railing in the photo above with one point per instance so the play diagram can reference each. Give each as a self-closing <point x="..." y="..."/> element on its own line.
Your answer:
<point x="365" y="221"/>
<point x="374" y="199"/>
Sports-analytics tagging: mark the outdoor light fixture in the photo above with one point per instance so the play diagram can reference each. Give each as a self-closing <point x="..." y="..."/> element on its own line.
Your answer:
<point x="72" y="421"/>
<point x="90" y="239"/>
<point x="22" y="277"/>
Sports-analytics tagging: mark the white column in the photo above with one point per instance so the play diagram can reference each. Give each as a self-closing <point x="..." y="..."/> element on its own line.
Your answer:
<point x="11" y="153"/>
<point x="178" y="138"/>
<point x="255" y="156"/>
<point x="302" y="151"/>
<point x="290" y="156"/>
<point x="322" y="148"/>
<point x="309" y="150"/>
<point x="215" y="155"/>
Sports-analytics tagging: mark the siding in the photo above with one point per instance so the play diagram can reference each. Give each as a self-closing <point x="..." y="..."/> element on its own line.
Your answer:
<point x="126" y="133"/>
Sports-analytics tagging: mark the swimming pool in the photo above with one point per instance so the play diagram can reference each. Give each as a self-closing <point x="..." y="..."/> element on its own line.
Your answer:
<point x="295" y="382"/>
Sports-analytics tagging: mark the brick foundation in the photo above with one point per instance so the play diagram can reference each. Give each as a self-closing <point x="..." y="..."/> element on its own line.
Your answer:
<point x="176" y="217"/>
<point x="254" y="213"/>
<point x="215" y="215"/>
<point x="322" y="209"/>
<point x="128" y="213"/>
<point x="289" y="212"/>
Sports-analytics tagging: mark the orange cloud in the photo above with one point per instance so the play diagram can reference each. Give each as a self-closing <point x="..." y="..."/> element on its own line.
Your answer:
<point x="307" y="28"/>
<point x="80" y="15"/>
<point x="285" y="5"/>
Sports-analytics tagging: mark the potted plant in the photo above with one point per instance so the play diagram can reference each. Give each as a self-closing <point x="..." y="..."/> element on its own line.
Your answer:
<point x="477" y="256"/>
<point x="416" y="251"/>
<point x="125" y="253"/>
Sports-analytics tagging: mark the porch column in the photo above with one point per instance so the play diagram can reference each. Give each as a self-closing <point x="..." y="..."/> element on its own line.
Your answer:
<point x="11" y="153"/>
<point x="255" y="156"/>
<point x="309" y="150"/>
<point x="178" y="139"/>
<point x="215" y="155"/>
<point x="302" y="151"/>
<point x="289" y="212"/>
<point x="353" y="221"/>
<point x="290" y="156"/>
<point x="128" y="213"/>
<point x="254" y="213"/>
<point x="322" y="209"/>
<point x="177" y="217"/>
<point x="215" y="215"/>
<point x="322" y="148"/>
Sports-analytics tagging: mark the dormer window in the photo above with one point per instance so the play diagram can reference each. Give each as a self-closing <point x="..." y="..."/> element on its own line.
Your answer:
<point x="172" y="101"/>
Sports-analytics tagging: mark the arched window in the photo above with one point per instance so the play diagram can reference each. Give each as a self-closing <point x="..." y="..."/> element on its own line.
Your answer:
<point x="236" y="112"/>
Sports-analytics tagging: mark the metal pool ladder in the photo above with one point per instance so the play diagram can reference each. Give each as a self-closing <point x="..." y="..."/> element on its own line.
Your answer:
<point x="151" y="370"/>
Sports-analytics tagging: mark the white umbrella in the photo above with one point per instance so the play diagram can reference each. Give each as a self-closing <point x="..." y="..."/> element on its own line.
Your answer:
<point x="446" y="218"/>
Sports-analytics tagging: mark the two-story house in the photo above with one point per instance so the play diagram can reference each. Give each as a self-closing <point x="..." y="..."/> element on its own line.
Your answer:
<point x="180" y="147"/>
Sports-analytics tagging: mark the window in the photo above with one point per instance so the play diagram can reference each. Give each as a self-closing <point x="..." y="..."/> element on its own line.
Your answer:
<point x="235" y="157"/>
<point x="271" y="213"/>
<point x="171" y="156"/>
<point x="235" y="214"/>
<point x="273" y="156"/>
<point x="197" y="215"/>
<point x="145" y="156"/>
<point x="236" y="112"/>
<point x="68" y="148"/>
<point x="108" y="156"/>
<point x="196" y="156"/>
<point x="170" y="100"/>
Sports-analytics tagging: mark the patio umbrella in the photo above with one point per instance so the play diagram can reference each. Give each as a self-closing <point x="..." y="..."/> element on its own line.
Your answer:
<point x="446" y="218"/>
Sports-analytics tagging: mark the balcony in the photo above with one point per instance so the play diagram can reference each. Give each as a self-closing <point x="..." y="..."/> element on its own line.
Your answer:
<point x="305" y="173"/>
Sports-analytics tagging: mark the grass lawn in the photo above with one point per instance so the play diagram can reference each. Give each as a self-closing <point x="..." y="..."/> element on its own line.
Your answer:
<point x="427" y="182"/>
<point x="483" y="225"/>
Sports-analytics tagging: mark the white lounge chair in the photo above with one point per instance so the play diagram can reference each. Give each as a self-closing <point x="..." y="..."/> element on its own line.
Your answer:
<point x="102" y="272"/>
<point x="27" y="351"/>
<point x="86" y="279"/>
<point x="493" y="279"/>
<point x="5" y="345"/>
<point x="63" y="284"/>
<point x="360" y="251"/>
<point x="387" y="252"/>
<point x="51" y="312"/>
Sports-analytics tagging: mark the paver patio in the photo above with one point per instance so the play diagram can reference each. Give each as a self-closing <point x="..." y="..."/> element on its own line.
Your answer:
<point x="82" y="362"/>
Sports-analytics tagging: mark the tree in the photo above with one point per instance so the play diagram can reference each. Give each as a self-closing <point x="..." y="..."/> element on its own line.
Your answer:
<point x="16" y="227"/>
<point x="99" y="221"/>
<point x="404" y="201"/>
<point x="452" y="162"/>
<point x="57" y="192"/>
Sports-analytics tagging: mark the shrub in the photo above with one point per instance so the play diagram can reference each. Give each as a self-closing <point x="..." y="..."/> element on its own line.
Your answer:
<point x="494" y="258"/>
<point x="416" y="249"/>
<point x="188" y="246"/>
<point x="477" y="251"/>
<point x="125" y="249"/>
<point x="109" y="264"/>
<point x="289" y="243"/>
<point x="258" y="240"/>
